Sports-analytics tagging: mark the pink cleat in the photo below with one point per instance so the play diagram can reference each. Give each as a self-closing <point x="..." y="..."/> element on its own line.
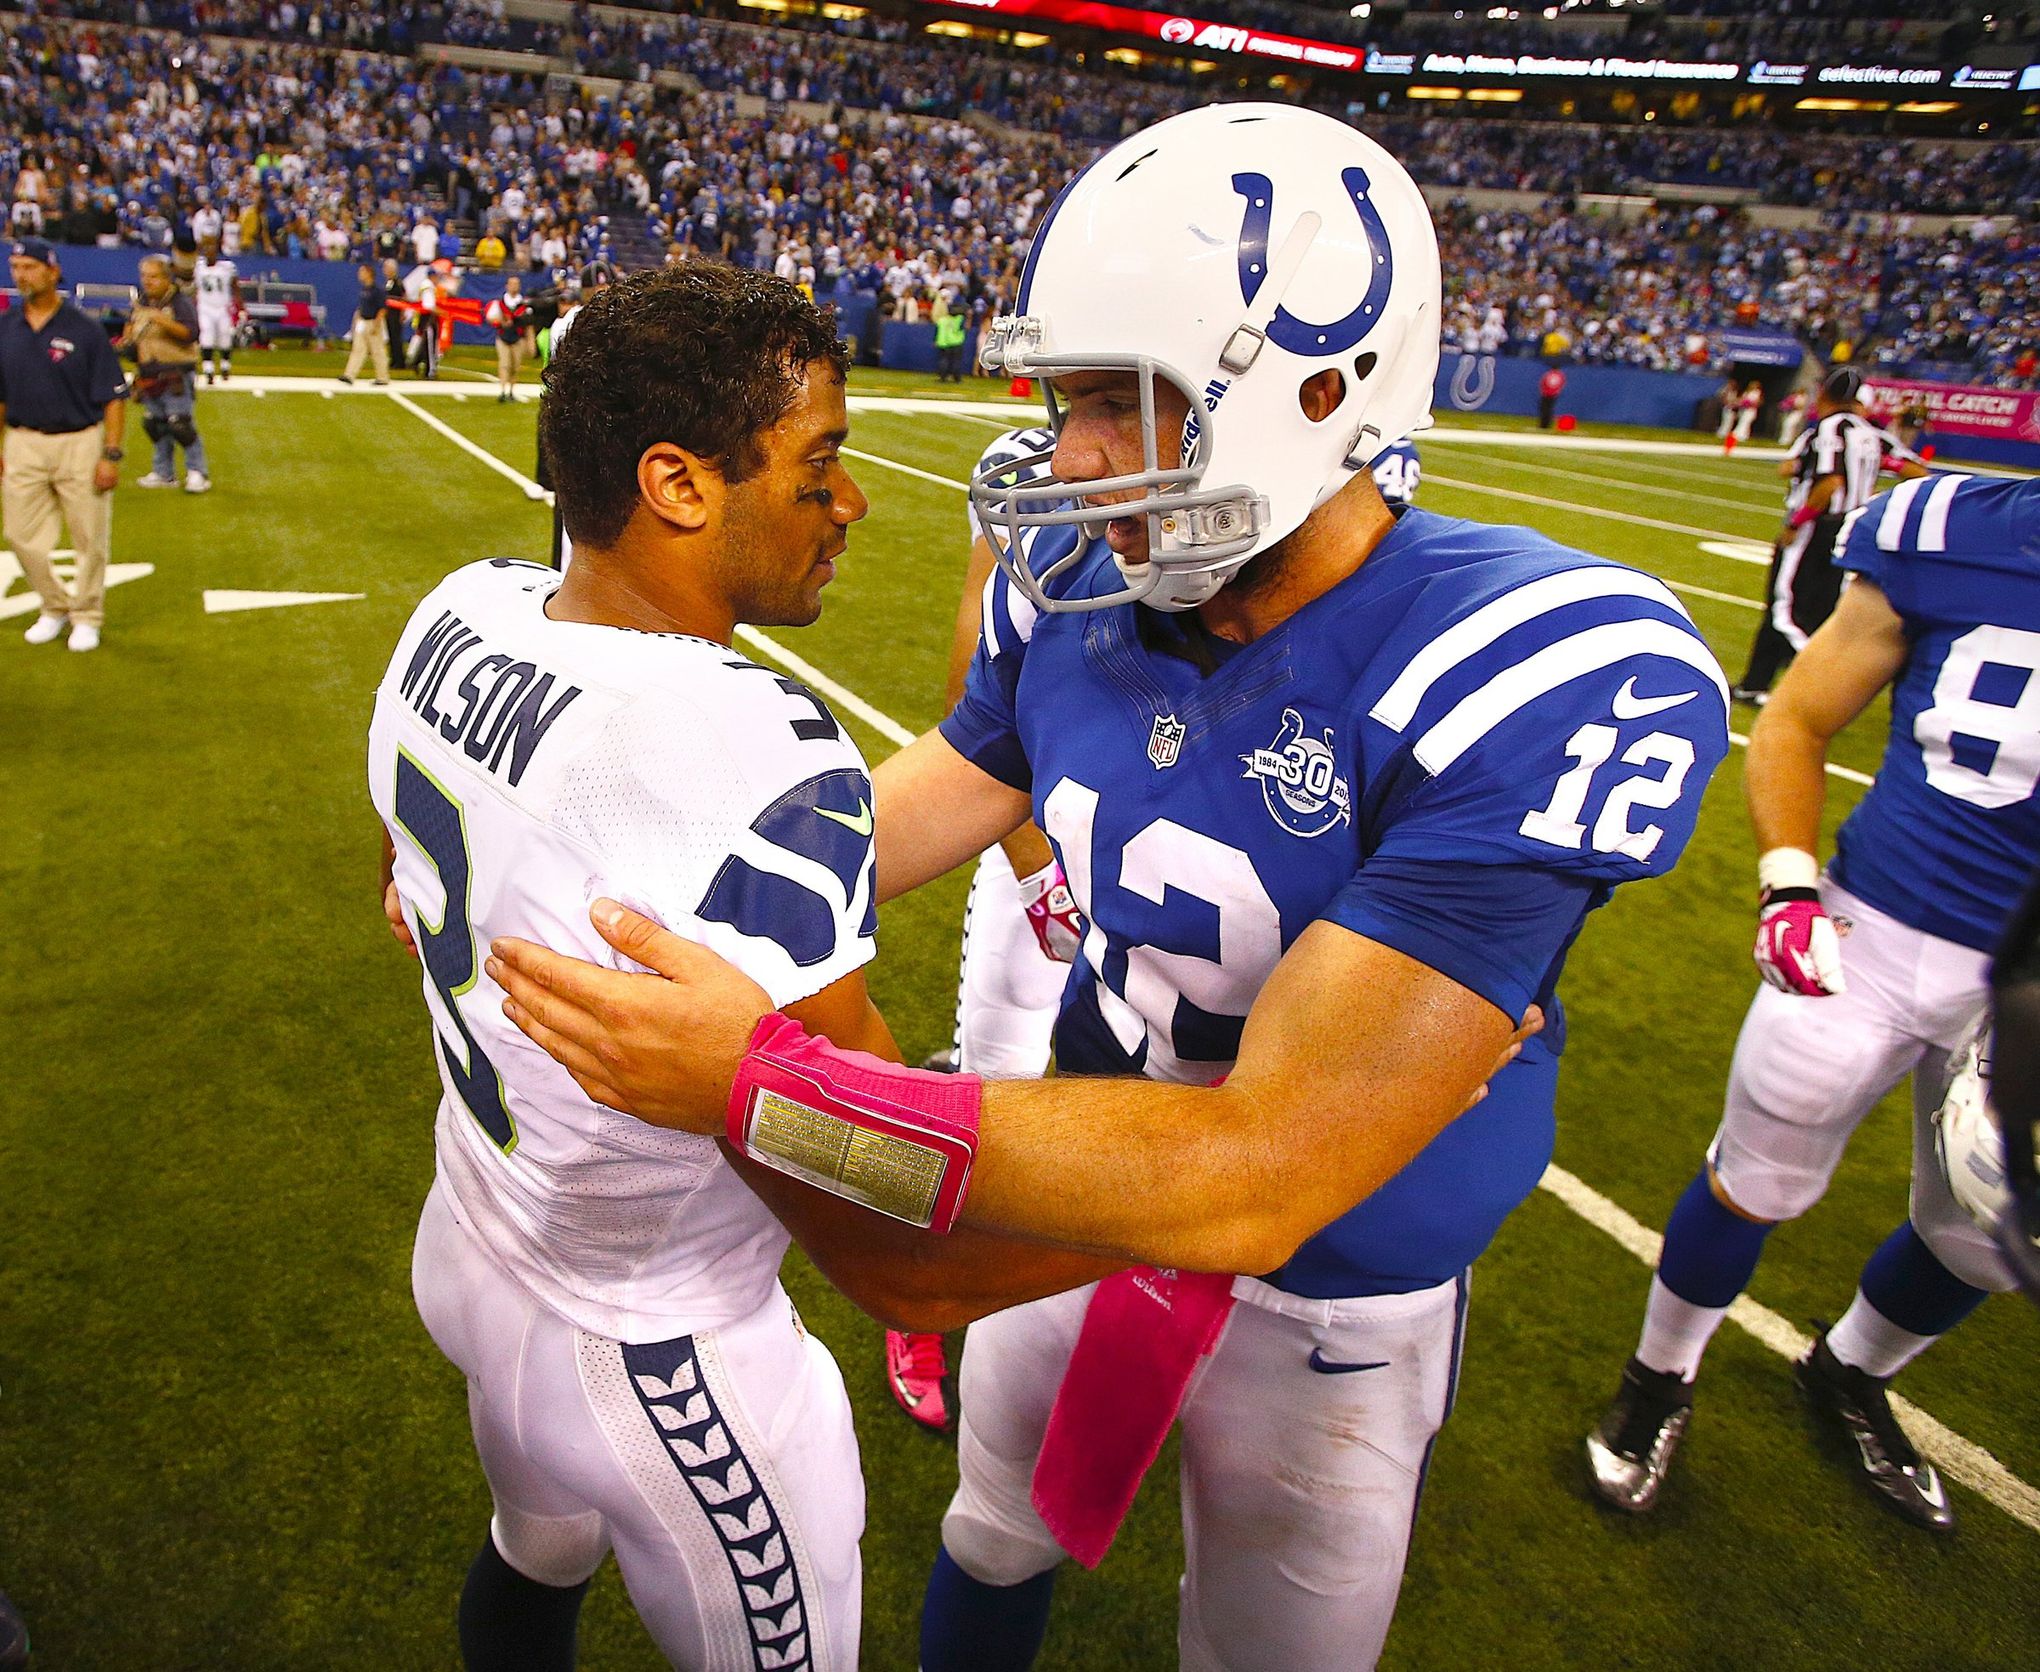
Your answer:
<point x="917" y="1370"/>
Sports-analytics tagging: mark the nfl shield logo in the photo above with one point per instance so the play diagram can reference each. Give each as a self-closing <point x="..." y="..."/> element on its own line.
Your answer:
<point x="1166" y="740"/>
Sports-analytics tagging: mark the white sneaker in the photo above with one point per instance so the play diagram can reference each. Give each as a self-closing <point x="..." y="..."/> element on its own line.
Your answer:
<point x="156" y="479"/>
<point x="84" y="637"/>
<point x="46" y="628"/>
<point x="196" y="481"/>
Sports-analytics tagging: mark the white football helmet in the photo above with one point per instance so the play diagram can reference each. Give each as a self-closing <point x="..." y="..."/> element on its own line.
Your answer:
<point x="1235" y="251"/>
<point x="1967" y="1139"/>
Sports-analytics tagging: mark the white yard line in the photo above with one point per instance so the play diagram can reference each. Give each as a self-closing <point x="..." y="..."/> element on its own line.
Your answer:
<point x="473" y="449"/>
<point x="841" y="695"/>
<point x="1630" y="517"/>
<point x="1768" y="513"/>
<point x="1964" y="1460"/>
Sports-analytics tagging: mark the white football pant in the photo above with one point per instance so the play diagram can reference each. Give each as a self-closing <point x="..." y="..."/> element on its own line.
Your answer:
<point x="721" y="1467"/>
<point x="215" y="329"/>
<point x="1304" y="1441"/>
<point x="1807" y="1070"/>
<point x="1009" y="991"/>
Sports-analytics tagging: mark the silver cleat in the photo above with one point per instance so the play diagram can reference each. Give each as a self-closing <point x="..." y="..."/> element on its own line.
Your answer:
<point x="1629" y="1453"/>
<point x="1856" y="1402"/>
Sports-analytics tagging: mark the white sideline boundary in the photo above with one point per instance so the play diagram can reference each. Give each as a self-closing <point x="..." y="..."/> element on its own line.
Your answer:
<point x="1965" y="1461"/>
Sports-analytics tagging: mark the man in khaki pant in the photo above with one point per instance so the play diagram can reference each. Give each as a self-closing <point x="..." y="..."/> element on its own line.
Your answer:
<point x="63" y="404"/>
<point x="371" y="340"/>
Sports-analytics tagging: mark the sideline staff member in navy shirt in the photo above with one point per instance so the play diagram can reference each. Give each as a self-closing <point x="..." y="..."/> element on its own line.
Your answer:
<point x="63" y="401"/>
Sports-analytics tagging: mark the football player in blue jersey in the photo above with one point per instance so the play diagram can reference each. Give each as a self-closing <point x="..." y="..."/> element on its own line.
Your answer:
<point x="1944" y="609"/>
<point x="1335" y="791"/>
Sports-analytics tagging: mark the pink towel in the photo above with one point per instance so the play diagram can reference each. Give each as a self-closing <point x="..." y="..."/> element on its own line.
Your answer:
<point x="1143" y="1334"/>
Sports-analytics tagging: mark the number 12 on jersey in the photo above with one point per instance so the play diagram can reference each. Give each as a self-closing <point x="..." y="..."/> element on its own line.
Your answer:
<point x="433" y="821"/>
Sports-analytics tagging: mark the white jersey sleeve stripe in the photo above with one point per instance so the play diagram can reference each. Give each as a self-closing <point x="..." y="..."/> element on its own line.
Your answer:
<point x="989" y="625"/>
<point x="1891" y="528"/>
<point x="1934" y="519"/>
<point x="1557" y="664"/>
<point x="1399" y="703"/>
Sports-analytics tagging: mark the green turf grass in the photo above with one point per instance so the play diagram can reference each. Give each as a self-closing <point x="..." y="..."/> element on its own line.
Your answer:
<point x="225" y="1441"/>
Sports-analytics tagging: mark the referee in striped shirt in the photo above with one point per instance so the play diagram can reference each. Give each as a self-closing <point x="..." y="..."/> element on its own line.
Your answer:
<point x="1833" y="468"/>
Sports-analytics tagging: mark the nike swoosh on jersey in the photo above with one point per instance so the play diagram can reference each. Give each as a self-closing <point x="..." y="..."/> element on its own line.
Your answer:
<point x="1334" y="1367"/>
<point x="860" y="821"/>
<point x="1629" y="706"/>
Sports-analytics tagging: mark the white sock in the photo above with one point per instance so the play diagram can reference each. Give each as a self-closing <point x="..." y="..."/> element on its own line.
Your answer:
<point x="1866" y="1340"/>
<point x="1676" y="1332"/>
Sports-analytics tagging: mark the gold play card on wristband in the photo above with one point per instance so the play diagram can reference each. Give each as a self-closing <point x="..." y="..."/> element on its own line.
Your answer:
<point x="885" y="1171"/>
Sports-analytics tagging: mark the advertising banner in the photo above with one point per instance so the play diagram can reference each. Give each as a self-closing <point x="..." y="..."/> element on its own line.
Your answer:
<point x="1199" y="34"/>
<point x="1190" y="33"/>
<point x="1960" y="408"/>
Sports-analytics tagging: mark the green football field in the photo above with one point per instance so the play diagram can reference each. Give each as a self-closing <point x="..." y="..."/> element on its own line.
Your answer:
<point x="225" y="1439"/>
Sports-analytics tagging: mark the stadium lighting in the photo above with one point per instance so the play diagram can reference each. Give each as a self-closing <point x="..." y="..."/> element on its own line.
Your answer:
<point x="1364" y="9"/>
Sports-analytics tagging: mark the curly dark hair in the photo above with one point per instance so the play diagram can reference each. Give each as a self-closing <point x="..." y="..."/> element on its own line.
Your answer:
<point x="704" y="356"/>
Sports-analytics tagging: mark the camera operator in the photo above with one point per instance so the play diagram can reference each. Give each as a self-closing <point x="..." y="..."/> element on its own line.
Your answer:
<point x="162" y="334"/>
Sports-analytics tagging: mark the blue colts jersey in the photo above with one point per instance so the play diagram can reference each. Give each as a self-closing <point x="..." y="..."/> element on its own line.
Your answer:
<point x="1948" y="836"/>
<point x="1458" y="751"/>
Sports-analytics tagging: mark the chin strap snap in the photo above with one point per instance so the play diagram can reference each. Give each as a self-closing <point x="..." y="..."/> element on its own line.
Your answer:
<point x="1244" y="345"/>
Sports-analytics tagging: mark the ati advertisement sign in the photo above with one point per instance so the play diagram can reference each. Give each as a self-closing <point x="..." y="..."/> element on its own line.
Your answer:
<point x="1193" y="34"/>
<point x="1960" y="408"/>
<point x="1199" y="34"/>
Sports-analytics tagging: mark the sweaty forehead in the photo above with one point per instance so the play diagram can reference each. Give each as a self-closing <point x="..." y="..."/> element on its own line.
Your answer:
<point x="818" y="408"/>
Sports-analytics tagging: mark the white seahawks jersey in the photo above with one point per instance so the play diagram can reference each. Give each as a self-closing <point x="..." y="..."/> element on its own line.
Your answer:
<point x="213" y="282"/>
<point x="524" y="767"/>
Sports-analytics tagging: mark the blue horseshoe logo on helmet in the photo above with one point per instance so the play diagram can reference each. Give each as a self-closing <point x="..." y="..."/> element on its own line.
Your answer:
<point x="1300" y="336"/>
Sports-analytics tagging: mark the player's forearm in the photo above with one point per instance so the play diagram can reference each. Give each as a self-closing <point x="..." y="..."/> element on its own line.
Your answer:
<point x="114" y="421"/>
<point x="1785" y="778"/>
<point x="1203" y="1178"/>
<point x="1027" y="850"/>
<point x="969" y="622"/>
<point x="1329" y="1099"/>
<point x="932" y="810"/>
<point x="905" y="1278"/>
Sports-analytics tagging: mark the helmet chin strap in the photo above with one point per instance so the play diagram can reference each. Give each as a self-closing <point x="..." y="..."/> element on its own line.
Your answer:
<point x="1244" y="345"/>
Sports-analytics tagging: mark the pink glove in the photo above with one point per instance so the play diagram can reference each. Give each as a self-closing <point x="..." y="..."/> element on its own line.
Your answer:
<point x="1798" y="949"/>
<point x="1052" y="913"/>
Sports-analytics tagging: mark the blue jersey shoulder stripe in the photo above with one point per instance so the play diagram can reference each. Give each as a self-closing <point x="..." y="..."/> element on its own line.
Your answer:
<point x="1479" y="630"/>
<point x="1515" y="688"/>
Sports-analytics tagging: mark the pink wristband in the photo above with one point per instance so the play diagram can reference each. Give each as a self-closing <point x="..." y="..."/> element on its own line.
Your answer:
<point x="1804" y="515"/>
<point x="894" y="1139"/>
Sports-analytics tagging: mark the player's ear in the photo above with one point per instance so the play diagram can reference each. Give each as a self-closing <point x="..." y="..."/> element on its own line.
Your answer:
<point x="1321" y="394"/>
<point x="678" y="487"/>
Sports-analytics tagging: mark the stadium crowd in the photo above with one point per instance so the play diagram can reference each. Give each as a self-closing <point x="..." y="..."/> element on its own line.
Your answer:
<point x="122" y="134"/>
<point x="1646" y="292"/>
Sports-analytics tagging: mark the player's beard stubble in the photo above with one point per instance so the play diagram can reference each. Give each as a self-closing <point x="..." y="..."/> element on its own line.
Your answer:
<point x="777" y="557"/>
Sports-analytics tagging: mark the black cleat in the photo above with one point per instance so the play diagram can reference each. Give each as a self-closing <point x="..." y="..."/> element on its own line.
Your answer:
<point x="1856" y="1403"/>
<point x="1630" y="1450"/>
<point x="1750" y="694"/>
<point x="942" y="1062"/>
<point x="13" y="1638"/>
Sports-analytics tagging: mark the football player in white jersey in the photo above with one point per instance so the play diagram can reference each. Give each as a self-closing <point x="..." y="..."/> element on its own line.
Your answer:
<point x="637" y="1379"/>
<point x="216" y="285"/>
